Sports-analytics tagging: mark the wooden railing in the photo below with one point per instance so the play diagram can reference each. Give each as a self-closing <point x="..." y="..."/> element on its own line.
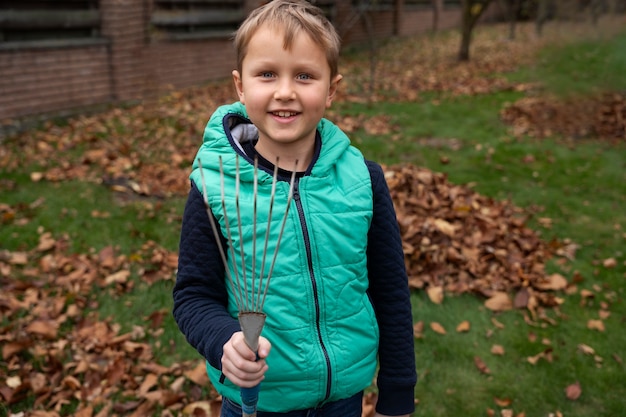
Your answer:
<point x="189" y="19"/>
<point x="45" y="20"/>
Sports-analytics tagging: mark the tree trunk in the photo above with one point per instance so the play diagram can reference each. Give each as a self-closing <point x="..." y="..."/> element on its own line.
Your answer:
<point x="513" y="10"/>
<point x="369" y="27"/>
<point x="471" y="12"/>
<point x="361" y="14"/>
<point x="542" y="16"/>
<point x="596" y="7"/>
<point x="398" y="11"/>
<point x="466" y="34"/>
<point x="436" y="6"/>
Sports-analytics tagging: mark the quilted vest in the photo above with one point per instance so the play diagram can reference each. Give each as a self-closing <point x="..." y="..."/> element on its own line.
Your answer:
<point x="320" y="320"/>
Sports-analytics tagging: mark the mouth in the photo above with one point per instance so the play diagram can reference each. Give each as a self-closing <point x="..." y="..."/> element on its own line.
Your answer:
<point x="284" y="114"/>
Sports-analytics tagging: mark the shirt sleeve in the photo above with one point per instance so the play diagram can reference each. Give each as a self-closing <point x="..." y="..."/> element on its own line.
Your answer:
<point x="200" y="296"/>
<point x="390" y="295"/>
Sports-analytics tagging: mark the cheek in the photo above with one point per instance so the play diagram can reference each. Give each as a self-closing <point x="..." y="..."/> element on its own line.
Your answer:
<point x="323" y="102"/>
<point x="325" y="97"/>
<point x="254" y="94"/>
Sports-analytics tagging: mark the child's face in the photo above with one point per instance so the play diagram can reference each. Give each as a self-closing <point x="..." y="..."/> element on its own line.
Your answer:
<point x="285" y="91"/>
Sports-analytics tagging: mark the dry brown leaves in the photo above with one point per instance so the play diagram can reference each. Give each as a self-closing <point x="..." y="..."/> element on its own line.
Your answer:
<point x="404" y="70"/>
<point x="600" y="117"/>
<point x="57" y="349"/>
<point x="145" y="150"/>
<point x="457" y="241"/>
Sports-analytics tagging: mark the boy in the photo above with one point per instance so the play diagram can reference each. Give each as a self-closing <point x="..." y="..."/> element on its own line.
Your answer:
<point x="339" y="295"/>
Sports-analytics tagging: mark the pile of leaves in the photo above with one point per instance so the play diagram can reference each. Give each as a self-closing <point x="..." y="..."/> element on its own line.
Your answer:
<point x="599" y="117"/>
<point x="56" y="348"/>
<point x="458" y="241"/>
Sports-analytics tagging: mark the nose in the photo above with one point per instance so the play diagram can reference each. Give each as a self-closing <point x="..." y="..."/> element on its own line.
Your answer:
<point x="284" y="90"/>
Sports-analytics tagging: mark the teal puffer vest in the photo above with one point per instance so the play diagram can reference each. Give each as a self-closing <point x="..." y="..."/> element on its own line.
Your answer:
<point x="320" y="320"/>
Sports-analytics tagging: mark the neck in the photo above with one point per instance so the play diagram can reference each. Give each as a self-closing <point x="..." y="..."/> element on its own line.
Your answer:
<point x="289" y="158"/>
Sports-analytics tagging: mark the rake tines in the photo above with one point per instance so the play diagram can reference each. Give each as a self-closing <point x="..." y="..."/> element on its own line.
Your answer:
<point x="250" y="307"/>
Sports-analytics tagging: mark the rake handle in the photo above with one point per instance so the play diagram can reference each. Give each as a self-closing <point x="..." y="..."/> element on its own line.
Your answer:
<point x="251" y="325"/>
<point x="249" y="400"/>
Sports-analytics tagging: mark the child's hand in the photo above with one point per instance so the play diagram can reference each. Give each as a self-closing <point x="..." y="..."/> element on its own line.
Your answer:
<point x="240" y="364"/>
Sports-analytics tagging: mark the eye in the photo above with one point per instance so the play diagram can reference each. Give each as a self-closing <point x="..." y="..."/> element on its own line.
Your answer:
<point x="266" y="74"/>
<point x="304" y="77"/>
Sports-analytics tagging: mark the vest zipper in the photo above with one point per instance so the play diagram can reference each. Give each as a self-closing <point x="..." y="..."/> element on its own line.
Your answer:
<point x="307" y="245"/>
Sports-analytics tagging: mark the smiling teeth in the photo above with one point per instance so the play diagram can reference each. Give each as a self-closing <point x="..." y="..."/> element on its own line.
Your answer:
<point x="284" y="114"/>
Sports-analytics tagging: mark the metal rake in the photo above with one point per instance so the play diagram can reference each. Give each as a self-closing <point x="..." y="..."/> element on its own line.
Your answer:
<point x="248" y="299"/>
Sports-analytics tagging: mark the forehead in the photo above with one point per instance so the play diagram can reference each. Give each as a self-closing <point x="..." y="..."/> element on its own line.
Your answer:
<point x="277" y="35"/>
<point x="270" y="41"/>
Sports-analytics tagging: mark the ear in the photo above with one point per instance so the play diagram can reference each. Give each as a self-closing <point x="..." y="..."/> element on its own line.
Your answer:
<point x="238" y="85"/>
<point x="332" y="89"/>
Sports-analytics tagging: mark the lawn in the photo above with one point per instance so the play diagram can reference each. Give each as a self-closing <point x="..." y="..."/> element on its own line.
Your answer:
<point x="90" y="212"/>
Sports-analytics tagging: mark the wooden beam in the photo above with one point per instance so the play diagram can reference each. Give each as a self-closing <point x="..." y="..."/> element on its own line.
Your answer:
<point x="186" y="2"/>
<point x="184" y="18"/>
<point x="48" y="19"/>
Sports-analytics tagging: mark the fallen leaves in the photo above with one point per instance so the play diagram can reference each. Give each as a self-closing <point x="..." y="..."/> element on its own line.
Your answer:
<point x="138" y="152"/>
<point x="437" y="328"/>
<point x="418" y="330"/>
<point x="503" y="402"/>
<point x="609" y="263"/>
<point x="587" y="350"/>
<point x="553" y="282"/>
<point x="573" y="391"/>
<point x="499" y="301"/>
<point x="422" y="66"/>
<point x="369" y="404"/>
<point x="481" y="366"/>
<point x="47" y="329"/>
<point x="602" y="117"/>
<point x="435" y="293"/>
<point x="463" y="327"/>
<point x="47" y="298"/>
<point x="595" y="325"/>
<point x="458" y="241"/>
<point x="497" y="350"/>
<point x="546" y="355"/>
<point x="203" y="409"/>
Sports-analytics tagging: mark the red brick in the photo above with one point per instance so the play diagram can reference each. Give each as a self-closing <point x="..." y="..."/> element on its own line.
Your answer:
<point x="132" y="66"/>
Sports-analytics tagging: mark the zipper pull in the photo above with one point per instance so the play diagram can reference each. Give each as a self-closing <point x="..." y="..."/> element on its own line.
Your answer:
<point x="296" y="190"/>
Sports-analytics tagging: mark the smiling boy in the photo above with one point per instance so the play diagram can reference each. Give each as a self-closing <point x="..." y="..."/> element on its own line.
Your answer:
<point x="339" y="301"/>
<point x="285" y="80"/>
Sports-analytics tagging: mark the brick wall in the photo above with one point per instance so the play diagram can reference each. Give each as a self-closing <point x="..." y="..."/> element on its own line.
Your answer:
<point x="125" y="24"/>
<point x="187" y="63"/>
<point x="40" y="80"/>
<point x="126" y="63"/>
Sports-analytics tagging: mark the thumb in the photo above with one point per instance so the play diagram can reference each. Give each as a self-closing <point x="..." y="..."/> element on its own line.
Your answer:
<point x="264" y="347"/>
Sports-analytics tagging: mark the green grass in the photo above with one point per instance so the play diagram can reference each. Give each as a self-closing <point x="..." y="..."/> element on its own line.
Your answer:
<point x="584" y="67"/>
<point x="90" y="215"/>
<point x="580" y="185"/>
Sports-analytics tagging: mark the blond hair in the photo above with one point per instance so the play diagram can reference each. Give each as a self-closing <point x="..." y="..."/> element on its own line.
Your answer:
<point x="291" y="16"/>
